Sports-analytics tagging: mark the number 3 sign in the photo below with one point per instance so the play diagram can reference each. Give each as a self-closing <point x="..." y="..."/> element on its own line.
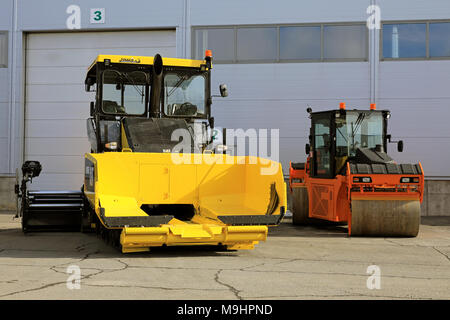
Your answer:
<point x="98" y="15"/>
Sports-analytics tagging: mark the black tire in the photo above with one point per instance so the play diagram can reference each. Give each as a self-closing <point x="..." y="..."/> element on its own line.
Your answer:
<point x="24" y="228"/>
<point x="114" y="239"/>
<point x="86" y="223"/>
<point x="86" y="217"/>
<point x="300" y="206"/>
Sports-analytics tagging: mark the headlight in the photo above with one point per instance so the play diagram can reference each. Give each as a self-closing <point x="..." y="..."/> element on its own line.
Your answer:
<point x="111" y="146"/>
<point x="362" y="179"/>
<point x="220" y="148"/>
<point x="409" y="180"/>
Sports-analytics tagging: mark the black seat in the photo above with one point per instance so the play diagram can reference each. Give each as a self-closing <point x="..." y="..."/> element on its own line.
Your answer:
<point x="110" y="106"/>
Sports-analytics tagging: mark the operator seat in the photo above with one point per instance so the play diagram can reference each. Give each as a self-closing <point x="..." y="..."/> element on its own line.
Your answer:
<point x="110" y="106"/>
<point x="186" y="109"/>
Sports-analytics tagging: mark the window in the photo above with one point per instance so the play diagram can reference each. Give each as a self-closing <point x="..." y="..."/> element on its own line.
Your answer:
<point x="358" y="130"/>
<point x="439" y="39"/>
<point x="282" y="43"/>
<point x="220" y="41"/>
<point x="184" y="95"/>
<point x="124" y="92"/>
<point x="345" y="42"/>
<point x="300" y="43"/>
<point x="416" y="40"/>
<point x="407" y="40"/>
<point x="256" y="44"/>
<point x="322" y="141"/>
<point x="3" y="49"/>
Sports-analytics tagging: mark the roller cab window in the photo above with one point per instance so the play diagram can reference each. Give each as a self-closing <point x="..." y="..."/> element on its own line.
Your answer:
<point x="124" y="93"/>
<point x="322" y="145"/>
<point x="359" y="130"/>
<point x="184" y="95"/>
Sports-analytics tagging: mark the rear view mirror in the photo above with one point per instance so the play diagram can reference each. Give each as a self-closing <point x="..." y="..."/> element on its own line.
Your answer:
<point x="307" y="148"/>
<point x="88" y="84"/>
<point x="92" y="108"/>
<point x="400" y="146"/>
<point x="223" y="90"/>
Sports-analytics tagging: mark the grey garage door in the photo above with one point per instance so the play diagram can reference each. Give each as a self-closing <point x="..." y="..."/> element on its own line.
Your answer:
<point x="56" y="104"/>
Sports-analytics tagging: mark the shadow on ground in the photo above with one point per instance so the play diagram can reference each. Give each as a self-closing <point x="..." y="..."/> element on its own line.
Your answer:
<point x="75" y="245"/>
<point x="315" y="229"/>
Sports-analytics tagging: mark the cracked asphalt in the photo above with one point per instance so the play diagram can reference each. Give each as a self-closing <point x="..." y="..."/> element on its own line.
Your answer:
<point x="314" y="262"/>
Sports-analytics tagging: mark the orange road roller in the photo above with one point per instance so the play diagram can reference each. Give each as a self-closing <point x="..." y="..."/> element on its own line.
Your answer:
<point x="348" y="176"/>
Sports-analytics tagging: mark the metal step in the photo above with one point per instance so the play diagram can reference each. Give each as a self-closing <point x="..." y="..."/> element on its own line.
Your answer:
<point x="47" y="192"/>
<point x="53" y="206"/>
<point x="56" y="200"/>
<point x="53" y="211"/>
<point x="55" y="195"/>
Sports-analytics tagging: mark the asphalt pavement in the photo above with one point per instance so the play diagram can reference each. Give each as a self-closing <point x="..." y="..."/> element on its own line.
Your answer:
<point x="296" y="262"/>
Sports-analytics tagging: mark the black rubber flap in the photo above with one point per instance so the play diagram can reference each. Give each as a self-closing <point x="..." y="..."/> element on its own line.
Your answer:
<point x="298" y="166"/>
<point x="251" y="220"/>
<point x="119" y="222"/>
<point x="388" y="168"/>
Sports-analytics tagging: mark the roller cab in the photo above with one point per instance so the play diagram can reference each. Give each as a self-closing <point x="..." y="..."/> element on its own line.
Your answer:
<point x="349" y="177"/>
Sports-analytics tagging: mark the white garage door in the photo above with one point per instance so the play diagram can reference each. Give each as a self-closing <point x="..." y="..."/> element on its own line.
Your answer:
<point x="57" y="105"/>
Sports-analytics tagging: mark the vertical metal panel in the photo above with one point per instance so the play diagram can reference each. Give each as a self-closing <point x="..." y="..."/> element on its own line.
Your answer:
<point x="7" y="91"/>
<point x="417" y="94"/>
<point x="237" y="12"/>
<point x="413" y="9"/>
<point x="137" y="14"/>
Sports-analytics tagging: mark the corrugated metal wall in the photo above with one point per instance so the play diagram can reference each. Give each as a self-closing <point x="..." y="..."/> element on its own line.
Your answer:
<point x="271" y="95"/>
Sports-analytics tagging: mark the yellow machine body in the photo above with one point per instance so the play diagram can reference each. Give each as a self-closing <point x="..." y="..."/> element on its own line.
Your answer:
<point x="217" y="186"/>
<point x="139" y="190"/>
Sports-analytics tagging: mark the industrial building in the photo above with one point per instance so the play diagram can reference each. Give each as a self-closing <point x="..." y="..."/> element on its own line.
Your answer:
<point x="277" y="58"/>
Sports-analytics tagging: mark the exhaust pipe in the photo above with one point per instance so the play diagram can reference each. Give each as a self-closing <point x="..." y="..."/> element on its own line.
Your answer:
<point x="155" y="94"/>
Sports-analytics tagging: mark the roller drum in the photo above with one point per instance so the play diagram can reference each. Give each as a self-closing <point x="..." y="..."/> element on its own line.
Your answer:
<point x="300" y="205"/>
<point x="388" y="218"/>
